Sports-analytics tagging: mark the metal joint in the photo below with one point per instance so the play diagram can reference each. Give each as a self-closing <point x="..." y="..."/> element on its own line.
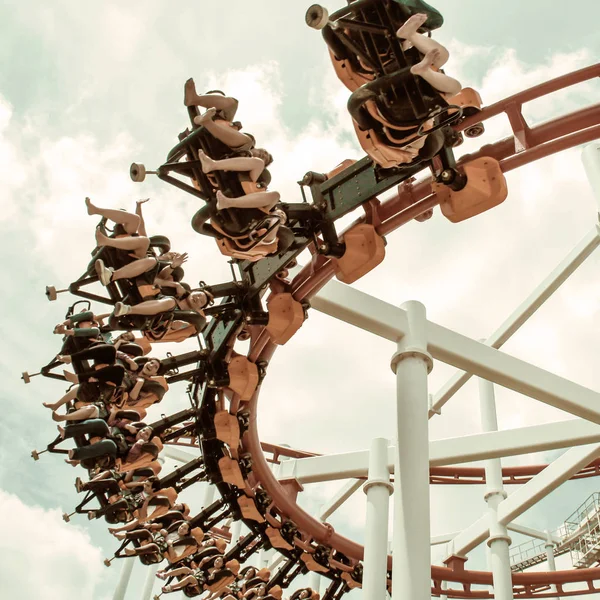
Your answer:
<point x="495" y="538"/>
<point x="412" y="352"/>
<point x="378" y="482"/>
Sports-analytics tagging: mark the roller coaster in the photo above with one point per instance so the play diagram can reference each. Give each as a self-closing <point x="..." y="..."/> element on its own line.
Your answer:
<point x="408" y="127"/>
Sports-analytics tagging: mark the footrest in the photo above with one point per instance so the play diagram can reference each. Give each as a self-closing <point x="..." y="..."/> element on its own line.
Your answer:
<point x="486" y="188"/>
<point x="249" y="510"/>
<point x="365" y="249"/>
<point x="228" y="428"/>
<point x="312" y="564"/>
<point x="286" y="316"/>
<point x="277" y="540"/>
<point x="243" y="376"/>
<point x="230" y="472"/>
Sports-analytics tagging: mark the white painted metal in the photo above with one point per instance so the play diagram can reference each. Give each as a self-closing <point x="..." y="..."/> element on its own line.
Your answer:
<point x="591" y="163"/>
<point x="315" y="581"/>
<point x="209" y="495"/>
<point x="498" y="540"/>
<point x="528" y="494"/>
<point x="534" y="533"/>
<point x="411" y="572"/>
<point x="179" y="455"/>
<point x="124" y="578"/>
<point x="340" y="497"/>
<point x="550" y="556"/>
<point x="383" y="319"/>
<point x="442" y="539"/>
<point x="236" y="530"/>
<point x="378" y="489"/>
<point x="451" y="451"/>
<point x="149" y="583"/>
<point x="524" y="311"/>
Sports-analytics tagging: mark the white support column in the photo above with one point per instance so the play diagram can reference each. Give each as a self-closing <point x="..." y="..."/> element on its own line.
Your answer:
<point x="124" y="577"/>
<point x="411" y="573"/>
<point x="378" y="489"/>
<point x="549" y="545"/>
<point x="499" y="540"/>
<point x="591" y="163"/>
<point x="149" y="583"/>
<point x="315" y="582"/>
<point x="236" y="531"/>
<point x="209" y="495"/>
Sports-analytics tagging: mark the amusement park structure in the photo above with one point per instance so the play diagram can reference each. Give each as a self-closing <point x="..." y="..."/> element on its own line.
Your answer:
<point x="408" y="128"/>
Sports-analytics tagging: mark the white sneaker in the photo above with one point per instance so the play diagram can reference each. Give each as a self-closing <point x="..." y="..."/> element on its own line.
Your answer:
<point x="121" y="309"/>
<point x="104" y="273"/>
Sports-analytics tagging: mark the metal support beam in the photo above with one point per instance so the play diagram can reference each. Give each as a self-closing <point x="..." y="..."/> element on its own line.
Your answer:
<point x="591" y="163"/>
<point x="378" y="489"/>
<point x="411" y="569"/>
<point x="390" y="322"/>
<point x="450" y="451"/>
<point x="534" y="533"/>
<point x="124" y="578"/>
<point x="340" y="497"/>
<point x="526" y="496"/>
<point x="498" y="540"/>
<point x="524" y="311"/>
<point x="149" y="583"/>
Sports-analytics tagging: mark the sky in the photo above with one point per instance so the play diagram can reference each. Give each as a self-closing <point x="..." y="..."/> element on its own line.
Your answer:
<point x="85" y="90"/>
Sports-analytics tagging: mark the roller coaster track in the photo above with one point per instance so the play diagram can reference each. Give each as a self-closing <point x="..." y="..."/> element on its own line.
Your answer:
<point x="526" y="145"/>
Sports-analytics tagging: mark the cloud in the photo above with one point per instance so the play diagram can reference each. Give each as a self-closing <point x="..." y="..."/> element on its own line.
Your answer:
<point x="42" y="557"/>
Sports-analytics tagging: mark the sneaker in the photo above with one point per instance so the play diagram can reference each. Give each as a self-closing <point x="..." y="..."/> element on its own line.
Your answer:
<point x="121" y="309"/>
<point x="104" y="273"/>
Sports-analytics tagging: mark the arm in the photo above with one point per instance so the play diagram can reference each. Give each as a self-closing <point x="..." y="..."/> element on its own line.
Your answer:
<point x="137" y="388"/>
<point x="138" y="212"/>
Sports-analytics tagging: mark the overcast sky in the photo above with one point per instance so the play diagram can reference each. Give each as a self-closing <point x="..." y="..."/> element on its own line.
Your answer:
<point x="88" y="88"/>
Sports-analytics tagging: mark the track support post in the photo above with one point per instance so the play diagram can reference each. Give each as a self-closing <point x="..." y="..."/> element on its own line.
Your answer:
<point x="411" y="572"/>
<point x="591" y="163"/>
<point x="499" y="540"/>
<point x="378" y="490"/>
<point x="549" y="546"/>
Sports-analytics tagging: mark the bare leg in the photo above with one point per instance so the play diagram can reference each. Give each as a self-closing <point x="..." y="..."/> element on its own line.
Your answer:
<point x="422" y="43"/>
<point x="173" y="587"/>
<point x="130" y="271"/>
<point x="228" y="135"/>
<point x="223" y="103"/>
<point x="266" y="200"/>
<point x="439" y="81"/>
<point x="129" y="221"/>
<point x="70" y="395"/>
<point x="150" y="307"/>
<point x="139" y="245"/>
<point x="254" y="166"/>
<point x="81" y="414"/>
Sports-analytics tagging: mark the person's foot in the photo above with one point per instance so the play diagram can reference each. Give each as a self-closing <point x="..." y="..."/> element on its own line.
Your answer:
<point x="129" y="552"/>
<point x="70" y="377"/>
<point x="189" y="93"/>
<point x="79" y="485"/>
<point x="428" y="60"/>
<point x="73" y="463"/>
<point x="58" y="418"/>
<point x="411" y="26"/>
<point x="208" y="164"/>
<point x="166" y="589"/>
<point x="61" y="431"/>
<point x="49" y="405"/>
<point x="101" y="239"/>
<point x="104" y="273"/>
<point x="91" y="209"/>
<point x="64" y="358"/>
<point x="207" y="116"/>
<point x="121" y="309"/>
<point x="222" y="200"/>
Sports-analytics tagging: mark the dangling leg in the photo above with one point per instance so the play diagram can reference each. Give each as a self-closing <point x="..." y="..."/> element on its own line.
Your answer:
<point x="130" y="221"/>
<point x="149" y="308"/>
<point x="422" y="43"/>
<point x="81" y="414"/>
<point x="130" y="271"/>
<point x="266" y="200"/>
<point x="439" y="81"/>
<point x="254" y="166"/>
<point x="70" y="395"/>
<point x="138" y="245"/>
<point x="228" y="106"/>
<point x="228" y="135"/>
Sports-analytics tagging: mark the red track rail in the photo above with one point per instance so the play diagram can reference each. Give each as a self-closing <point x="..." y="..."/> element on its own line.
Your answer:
<point x="535" y="143"/>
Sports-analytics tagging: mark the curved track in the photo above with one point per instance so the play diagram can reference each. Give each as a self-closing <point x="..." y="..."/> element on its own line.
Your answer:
<point x="537" y="142"/>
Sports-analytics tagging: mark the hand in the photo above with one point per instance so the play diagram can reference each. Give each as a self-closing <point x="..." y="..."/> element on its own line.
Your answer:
<point x="179" y="260"/>
<point x="179" y="289"/>
<point x="142" y="201"/>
